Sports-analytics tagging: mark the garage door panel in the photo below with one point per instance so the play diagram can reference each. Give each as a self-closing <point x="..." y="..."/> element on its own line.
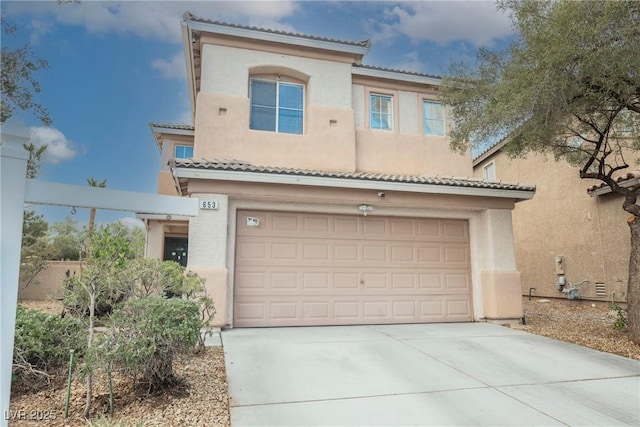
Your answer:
<point x="293" y="311"/>
<point x="314" y="269"/>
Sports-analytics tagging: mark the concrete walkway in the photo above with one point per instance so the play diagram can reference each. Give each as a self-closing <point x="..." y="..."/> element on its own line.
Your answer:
<point x="440" y="374"/>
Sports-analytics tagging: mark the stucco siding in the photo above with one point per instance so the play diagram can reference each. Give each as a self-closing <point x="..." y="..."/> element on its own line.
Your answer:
<point x="222" y="132"/>
<point x="564" y="220"/>
<point x="408" y="112"/>
<point x="388" y="152"/>
<point x="329" y="85"/>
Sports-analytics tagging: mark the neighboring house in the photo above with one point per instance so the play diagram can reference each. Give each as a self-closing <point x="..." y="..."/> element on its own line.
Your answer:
<point x="328" y="192"/>
<point x="573" y="230"/>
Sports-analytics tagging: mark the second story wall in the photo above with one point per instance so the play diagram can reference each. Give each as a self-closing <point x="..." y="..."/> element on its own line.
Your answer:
<point x="406" y="144"/>
<point x="223" y="110"/>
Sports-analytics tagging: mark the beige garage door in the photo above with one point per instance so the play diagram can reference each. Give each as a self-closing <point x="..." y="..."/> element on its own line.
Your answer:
<point x="316" y="269"/>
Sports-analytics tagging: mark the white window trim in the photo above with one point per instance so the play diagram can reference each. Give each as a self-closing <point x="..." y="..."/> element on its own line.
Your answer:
<point x="392" y="112"/>
<point x="278" y="80"/>
<point x="486" y="167"/>
<point x="444" y="118"/>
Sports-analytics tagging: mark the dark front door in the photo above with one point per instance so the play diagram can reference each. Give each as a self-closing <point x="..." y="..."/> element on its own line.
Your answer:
<point x="176" y="249"/>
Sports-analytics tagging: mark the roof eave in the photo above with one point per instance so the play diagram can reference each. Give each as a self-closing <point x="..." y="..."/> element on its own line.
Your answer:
<point x="392" y="75"/>
<point x="158" y="130"/>
<point x="606" y="189"/>
<point x="277" y="38"/>
<point x="187" y="43"/>
<point x="314" y="181"/>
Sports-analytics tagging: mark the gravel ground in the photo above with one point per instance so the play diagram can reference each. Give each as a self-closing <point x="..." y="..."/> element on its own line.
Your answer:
<point x="203" y="400"/>
<point x="579" y="322"/>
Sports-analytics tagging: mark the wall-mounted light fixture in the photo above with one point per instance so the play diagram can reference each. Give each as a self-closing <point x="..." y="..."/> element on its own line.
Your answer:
<point x="365" y="209"/>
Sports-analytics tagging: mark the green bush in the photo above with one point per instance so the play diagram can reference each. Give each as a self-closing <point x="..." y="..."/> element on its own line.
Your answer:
<point x="621" y="322"/>
<point x="146" y="335"/>
<point x="43" y="341"/>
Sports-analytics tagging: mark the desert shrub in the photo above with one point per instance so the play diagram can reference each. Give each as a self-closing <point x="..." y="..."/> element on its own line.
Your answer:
<point x="621" y="321"/>
<point x="43" y="341"/>
<point x="146" y="335"/>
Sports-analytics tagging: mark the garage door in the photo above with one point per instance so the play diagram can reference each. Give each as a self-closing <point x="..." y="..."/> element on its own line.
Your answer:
<point x="297" y="269"/>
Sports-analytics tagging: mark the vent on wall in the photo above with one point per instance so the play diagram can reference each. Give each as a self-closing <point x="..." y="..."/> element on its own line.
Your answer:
<point x="601" y="290"/>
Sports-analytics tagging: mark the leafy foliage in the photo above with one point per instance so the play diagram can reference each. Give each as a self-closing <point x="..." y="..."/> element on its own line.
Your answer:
<point x="35" y="250"/>
<point x="568" y="85"/>
<point x="17" y="84"/>
<point x="146" y="335"/>
<point x="43" y="341"/>
<point x="622" y="320"/>
<point x="66" y="240"/>
<point x="101" y="278"/>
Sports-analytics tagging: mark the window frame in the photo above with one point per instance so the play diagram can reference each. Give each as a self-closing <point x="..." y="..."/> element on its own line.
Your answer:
<point x="390" y="114"/>
<point x="183" y="146"/>
<point x="278" y="81"/>
<point x="426" y="101"/>
<point x="492" y="165"/>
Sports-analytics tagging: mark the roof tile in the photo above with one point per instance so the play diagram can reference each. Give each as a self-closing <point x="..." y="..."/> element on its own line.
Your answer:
<point x="188" y="16"/>
<point x="241" y="166"/>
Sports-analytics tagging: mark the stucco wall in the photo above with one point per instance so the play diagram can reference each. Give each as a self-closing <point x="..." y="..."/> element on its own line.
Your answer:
<point x="563" y="220"/>
<point x="48" y="283"/>
<point x="336" y="135"/>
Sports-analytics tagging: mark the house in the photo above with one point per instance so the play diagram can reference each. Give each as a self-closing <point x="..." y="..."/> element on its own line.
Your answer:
<point x="572" y="235"/>
<point x="328" y="192"/>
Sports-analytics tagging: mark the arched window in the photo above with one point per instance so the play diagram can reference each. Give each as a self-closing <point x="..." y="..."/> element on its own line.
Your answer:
<point x="277" y="103"/>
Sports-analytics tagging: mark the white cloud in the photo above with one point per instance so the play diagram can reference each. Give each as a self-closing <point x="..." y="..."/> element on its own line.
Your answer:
<point x="152" y="19"/>
<point x="59" y="148"/>
<point x="475" y="21"/>
<point x="173" y="68"/>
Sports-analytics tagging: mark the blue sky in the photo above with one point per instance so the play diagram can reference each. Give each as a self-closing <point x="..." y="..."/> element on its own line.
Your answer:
<point x="116" y="66"/>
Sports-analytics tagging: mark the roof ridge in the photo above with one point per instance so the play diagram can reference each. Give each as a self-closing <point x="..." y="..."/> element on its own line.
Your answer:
<point x="188" y="16"/>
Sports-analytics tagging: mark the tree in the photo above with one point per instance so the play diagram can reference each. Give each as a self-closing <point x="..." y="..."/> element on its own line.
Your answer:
<point x="17" y="84"/>
<point x="66" y="240"/>
<point x="35" y="250"/>
<point x="99" y="283"/>
<point x="92" y="214"/>
<point x="569" y="85"/>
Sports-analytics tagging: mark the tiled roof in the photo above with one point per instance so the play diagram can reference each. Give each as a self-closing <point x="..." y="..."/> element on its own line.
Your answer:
<point x="395" y="70"/>
<point x="239" y="166"/>
<point x="620" y="180"/>
<point x="177" y="126"/>
<point x="188" y="16"/>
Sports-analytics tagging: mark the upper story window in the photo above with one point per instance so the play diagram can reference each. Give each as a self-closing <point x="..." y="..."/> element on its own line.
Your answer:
<point x="277" y="106"/>
<point x="381" y="112"/>
<point x="489" y="171"/>
<point x="183" y="152"/>
<point x="433" y="118"/>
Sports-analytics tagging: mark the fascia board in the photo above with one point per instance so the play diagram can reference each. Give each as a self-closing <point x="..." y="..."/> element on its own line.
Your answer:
<point x="159" y="217"/>
<point x="188" y="59"/>
<point x="383" y="74"/>
<point x="267" y="178"/>
<point x="278" y="38"/>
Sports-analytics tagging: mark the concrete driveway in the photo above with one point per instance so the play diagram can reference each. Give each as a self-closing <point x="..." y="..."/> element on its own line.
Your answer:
<point x="439" y="374"/>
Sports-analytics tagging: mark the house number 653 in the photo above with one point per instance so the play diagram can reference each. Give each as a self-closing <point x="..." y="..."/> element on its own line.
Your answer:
<point x="208" y="204"/>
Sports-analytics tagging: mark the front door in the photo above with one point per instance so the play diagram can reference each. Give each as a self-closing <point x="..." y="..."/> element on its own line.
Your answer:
<point x="176" y="249"/>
